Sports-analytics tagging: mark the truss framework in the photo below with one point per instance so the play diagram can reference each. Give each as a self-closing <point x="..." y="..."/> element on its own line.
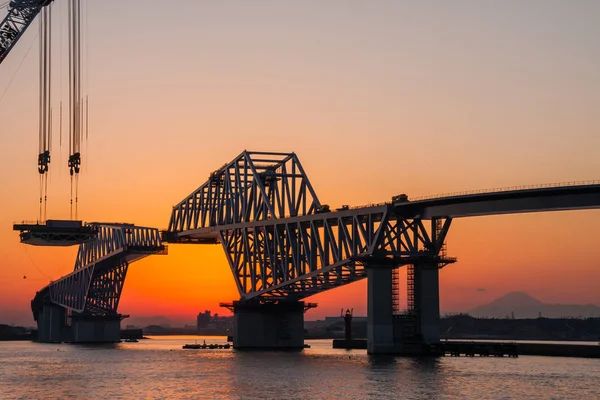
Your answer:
<point x="279" y="240"/>
<point x="117" y="238"/>
<point x="255" y="186"/>
<point x="308" y="255"/>
<point x="21" y="14"/>
<point x="96" y="284"/>
<point x="106" y="288"/>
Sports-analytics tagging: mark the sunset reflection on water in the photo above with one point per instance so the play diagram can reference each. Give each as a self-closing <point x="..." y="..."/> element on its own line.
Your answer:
<point x="160" y="368"/>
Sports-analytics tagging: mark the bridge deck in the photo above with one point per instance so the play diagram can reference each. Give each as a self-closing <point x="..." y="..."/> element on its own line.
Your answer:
<point x="574" y="197"/>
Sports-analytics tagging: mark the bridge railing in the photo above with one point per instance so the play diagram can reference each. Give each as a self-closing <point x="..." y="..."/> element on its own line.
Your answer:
<point x="482" y="191"/>
<point x="385" y="203"/>
<point x="507" y="189"/>
<point x="30" y="222"/>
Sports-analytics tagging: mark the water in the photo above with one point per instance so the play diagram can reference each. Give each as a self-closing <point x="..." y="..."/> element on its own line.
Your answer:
<point x="160" y="369"/>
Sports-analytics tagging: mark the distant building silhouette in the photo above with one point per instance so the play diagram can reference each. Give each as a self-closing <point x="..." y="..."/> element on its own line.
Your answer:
<point x="203" y="320"/>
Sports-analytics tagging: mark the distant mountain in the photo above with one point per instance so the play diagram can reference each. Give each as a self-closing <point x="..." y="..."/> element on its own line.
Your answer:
<point x="525" y="306"/>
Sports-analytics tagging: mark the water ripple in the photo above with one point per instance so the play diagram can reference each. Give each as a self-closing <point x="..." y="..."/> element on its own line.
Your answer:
<point x="160" y="369"/>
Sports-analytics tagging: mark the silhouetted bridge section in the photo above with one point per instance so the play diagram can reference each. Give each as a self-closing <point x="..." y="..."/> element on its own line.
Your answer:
<point x="283" y="245"/>
<point x="553" y="197"/>
<point x="82" y="306"/>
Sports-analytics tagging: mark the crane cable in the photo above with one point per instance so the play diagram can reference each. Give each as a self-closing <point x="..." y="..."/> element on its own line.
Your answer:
<point x="45" y="110"/>
<point x="78" y="103"/>
<point x="70" y="39"/>
<point x="76" y="111"/>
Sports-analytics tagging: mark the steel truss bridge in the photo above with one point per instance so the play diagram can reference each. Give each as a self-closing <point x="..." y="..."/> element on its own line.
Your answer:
<point x="281" y="242"/>
<point x="96" y="283"/>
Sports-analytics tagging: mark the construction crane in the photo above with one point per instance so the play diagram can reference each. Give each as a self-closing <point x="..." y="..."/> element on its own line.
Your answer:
<point x="21" y="14"/>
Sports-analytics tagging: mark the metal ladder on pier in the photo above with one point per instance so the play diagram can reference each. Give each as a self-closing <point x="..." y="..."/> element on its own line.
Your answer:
<point x="396" y="291"/>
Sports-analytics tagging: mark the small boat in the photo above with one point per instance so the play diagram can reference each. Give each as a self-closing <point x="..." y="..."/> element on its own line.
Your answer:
<point x="192" y="346"/>
<point x="197" y="346"/>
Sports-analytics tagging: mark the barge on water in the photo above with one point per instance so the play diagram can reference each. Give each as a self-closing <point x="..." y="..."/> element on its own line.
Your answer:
<point x="204" y="346"/>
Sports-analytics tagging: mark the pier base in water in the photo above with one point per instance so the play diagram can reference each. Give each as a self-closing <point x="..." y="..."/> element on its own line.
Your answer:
<point x="416" y="333"/>
<point x="54" y="326"/>
<point x="51" y="324"/>
<point x="268" y="325"/>
<point x="95" y="329"/>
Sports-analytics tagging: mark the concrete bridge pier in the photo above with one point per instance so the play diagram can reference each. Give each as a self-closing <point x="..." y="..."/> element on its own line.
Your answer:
<point x="51" y="323"/>
<point x="88" y="328"/>
<point x="380" y="318"/>
<point x="268" y="325"/>
<point x="427" y="302"/>
<point x="409" y="334"/>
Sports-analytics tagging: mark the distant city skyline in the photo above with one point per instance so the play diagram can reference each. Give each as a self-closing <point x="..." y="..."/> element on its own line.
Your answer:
<point x="376" y="100"/>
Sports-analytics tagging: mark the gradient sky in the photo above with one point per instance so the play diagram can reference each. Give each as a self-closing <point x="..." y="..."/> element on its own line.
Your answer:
<point x="376" y="98"/>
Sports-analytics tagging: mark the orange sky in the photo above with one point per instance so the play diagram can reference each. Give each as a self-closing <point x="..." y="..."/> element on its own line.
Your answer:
<point x="375" y="100"/>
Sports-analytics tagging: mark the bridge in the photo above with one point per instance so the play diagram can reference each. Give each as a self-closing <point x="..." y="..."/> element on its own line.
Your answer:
<point x="82" y="306"/>
<point x="283" y="245"/>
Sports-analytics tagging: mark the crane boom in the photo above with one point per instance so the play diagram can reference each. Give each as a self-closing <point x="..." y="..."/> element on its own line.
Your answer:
<point x="21" y="14"/>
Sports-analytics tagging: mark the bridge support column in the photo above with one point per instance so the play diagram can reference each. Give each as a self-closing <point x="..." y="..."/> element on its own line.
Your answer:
<point x="427" y="302"/>
<point x="380" y="319"/>
<point x="87" y="328"/>
<point x="51" y="324"/>
<point x="409" y="334"/>
<point x="268" y="326"/>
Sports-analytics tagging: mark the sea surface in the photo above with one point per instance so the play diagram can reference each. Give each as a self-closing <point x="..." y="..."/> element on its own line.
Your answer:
<point x="158" y="368"/>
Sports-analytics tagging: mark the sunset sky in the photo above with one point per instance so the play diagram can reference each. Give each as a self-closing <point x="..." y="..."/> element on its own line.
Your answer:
<point x="376" y="98"/>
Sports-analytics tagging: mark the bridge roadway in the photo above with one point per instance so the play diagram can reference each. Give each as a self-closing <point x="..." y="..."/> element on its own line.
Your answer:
<point x="555" y="197"/>
<point x="283" y="245"/>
